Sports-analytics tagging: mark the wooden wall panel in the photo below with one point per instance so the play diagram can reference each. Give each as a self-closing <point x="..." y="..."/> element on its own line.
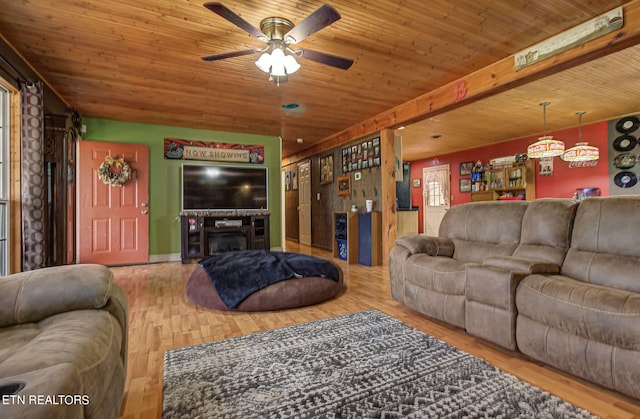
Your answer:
<point x="291" y="226"/>
<point x="368" y="187"/>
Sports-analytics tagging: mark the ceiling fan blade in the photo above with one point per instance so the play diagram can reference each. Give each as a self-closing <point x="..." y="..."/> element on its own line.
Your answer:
<point x="225" y="13"/>
<point x="324" y="16"/>
<point x="216" y="57"/>
<point x="322" y="58"/>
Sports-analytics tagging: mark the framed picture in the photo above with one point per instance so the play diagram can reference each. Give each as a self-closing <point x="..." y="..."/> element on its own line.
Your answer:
<point x="287" y="181"/>
<point x="344" y="185"/>
<point x="326" y="169"/>
<point x="294" y="180"/>
<point x="465" y="168"/>
<point x="546" y="166"/>
<point x="416" y="182"/>
<point x="465" y="185"/>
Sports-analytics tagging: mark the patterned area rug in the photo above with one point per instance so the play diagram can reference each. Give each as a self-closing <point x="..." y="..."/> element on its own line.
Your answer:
<point x="362" y="365"/>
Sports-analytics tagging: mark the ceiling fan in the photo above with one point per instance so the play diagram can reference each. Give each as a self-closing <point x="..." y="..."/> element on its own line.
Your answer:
<point x="278" y="58"/>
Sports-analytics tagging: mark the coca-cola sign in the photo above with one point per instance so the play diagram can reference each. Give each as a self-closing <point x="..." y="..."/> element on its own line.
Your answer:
<point x="590" y="163"/>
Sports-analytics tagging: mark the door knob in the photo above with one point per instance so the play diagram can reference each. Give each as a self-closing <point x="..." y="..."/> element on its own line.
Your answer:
<point x="145" y="211"/>
<point x="143" y="204"/>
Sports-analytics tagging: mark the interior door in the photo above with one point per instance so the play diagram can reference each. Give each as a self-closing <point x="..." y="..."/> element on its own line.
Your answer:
<point x="304" y="202"/>
<point x="113" y="221"/>
<point x="436" y="193"/>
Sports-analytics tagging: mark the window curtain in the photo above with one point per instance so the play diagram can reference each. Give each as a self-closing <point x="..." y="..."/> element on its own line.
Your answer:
<point x="32" y="175"/>
<point x="437" y="197"/>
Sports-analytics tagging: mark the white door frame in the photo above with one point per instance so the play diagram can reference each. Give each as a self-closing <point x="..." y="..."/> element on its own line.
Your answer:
<point x="434" y="213"/>
<point x="304" y="202"/>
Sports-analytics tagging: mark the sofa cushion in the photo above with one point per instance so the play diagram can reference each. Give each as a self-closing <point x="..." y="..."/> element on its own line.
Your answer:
<point x="604" y="246"/>
<point x="32" y="296"/>
<point x="546" y="230"/>
<point x="522" y="265"/>
<point x="440" y="274"/>
<point x="596" y="313"/>
<point x="89" y="340"/>
<point x="432" y="246"/>
<point x="611" y="366"/>
<point x="481" y="229"/>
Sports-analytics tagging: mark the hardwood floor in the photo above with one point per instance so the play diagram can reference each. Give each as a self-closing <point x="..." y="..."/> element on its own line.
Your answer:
<point x="160" y="319"/>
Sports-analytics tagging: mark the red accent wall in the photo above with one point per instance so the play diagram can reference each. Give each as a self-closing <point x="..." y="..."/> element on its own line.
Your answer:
<point x="562" y="184"/>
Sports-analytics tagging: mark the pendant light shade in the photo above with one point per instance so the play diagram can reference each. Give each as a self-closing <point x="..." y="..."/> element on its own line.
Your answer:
<point x="582" y="151"/>
<point x="546" y="146"/>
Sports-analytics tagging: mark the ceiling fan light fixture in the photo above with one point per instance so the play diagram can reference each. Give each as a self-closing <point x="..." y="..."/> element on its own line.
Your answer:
<point x="278" y="59"/>
<point x="290" y="64"/>
<point x="264" y="62"/>
<point x="277" y="64"/>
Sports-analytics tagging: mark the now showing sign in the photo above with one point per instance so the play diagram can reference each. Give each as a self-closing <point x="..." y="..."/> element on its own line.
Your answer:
<point x="179" y="149"/>
<point x="216" y="154"/>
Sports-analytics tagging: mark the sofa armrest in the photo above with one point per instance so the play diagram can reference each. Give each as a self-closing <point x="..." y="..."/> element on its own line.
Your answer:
<point x="433" y="246"/>
<point x="524" y="265"/>
<point x="118" y="306"/>
<point x="34" y="295"/>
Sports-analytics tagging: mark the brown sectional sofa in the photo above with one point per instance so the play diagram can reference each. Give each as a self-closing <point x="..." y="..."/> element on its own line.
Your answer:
<point x="555" y="279"/>
<point x="63" y="343"/>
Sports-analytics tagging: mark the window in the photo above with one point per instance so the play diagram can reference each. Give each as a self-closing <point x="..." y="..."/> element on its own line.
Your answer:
<point x="436" y="186"/>
<point x="434" y="193"/>
<point x="4" y="181"/>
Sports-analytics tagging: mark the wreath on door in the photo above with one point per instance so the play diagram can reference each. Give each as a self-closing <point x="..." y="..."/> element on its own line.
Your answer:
<point x="108" y="173"/>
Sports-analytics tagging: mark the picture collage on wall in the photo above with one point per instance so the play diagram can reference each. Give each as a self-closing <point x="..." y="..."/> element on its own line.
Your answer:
<point x="624" y="174"/>
<point x="361" y="156"/>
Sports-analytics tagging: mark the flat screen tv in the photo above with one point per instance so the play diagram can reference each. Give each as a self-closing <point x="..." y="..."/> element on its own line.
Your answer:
<point x="212" y="187"/>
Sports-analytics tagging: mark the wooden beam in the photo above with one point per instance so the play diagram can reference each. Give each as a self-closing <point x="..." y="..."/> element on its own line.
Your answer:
<point x="388" y="189"/>
<point x="493" y="79"/>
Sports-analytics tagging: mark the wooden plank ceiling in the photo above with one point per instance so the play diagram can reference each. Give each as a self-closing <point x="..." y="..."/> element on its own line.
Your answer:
<point x="140" y="61"/>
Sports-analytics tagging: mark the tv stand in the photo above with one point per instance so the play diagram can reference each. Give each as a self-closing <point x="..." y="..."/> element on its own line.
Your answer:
<point x="205" y="235"/>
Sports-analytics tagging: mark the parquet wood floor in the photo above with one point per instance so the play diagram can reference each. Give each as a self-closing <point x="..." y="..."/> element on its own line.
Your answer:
<point x="160" y="319"/>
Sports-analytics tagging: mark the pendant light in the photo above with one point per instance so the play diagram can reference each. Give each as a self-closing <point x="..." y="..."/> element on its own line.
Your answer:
<point x="546" y="146"/>
<point x="582" y="151"/>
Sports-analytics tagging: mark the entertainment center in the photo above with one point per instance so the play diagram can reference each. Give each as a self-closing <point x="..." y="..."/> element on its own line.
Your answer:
<point x="204" y="235"/>
<point x="224" y="208"/>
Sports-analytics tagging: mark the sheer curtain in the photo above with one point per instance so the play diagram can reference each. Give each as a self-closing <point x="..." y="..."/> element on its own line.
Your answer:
<point x="435" y="189"/>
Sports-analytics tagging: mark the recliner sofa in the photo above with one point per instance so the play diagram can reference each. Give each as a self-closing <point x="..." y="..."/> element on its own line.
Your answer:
<point x="567" y="293"/>
<point x="428" y="274"/>
<point x="63" y="343"/>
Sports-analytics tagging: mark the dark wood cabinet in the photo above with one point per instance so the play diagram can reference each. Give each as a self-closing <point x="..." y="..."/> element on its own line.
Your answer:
<point x="204" y="236"/>
<point x="260" y="232"/>
<point x="345" y="236"/>
<point x="59" y="189"/>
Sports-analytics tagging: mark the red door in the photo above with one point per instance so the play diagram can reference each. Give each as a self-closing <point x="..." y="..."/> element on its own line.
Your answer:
<point x="114" y="223"/>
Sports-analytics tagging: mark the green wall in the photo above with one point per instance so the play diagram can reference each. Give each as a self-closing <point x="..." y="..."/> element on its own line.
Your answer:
<point x="164" y="175"/>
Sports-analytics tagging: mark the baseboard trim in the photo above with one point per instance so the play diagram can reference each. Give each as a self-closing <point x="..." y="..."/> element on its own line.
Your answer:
<point x="175" y="257"/>
<point x="169" y="257"/>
